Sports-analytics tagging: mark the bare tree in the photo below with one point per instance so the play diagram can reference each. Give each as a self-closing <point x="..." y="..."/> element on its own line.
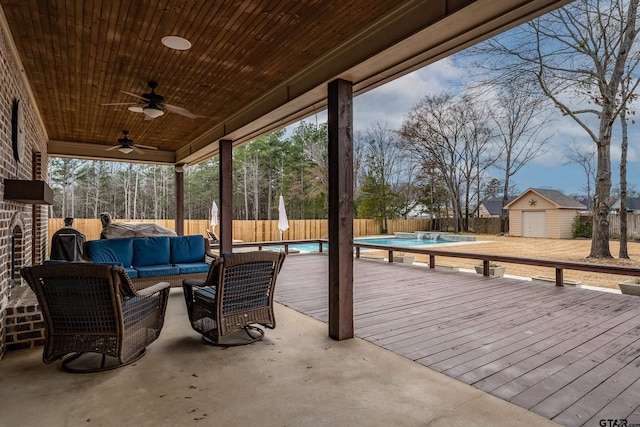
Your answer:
<point x="383" y="174"/>
<point x="578" y="55"/>
<point x="450" y="135"/>
<point x="583" y="157"/>
<point x="479" y="154"/>
<point x="624" y="89"/>
<point x="520" y="119"/>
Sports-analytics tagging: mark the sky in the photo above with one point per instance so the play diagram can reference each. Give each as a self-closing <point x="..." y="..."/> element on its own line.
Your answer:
<point x="391" y="102"/>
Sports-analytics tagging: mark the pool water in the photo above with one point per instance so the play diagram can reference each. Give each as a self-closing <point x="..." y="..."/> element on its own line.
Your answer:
<point x="391" y="241"/>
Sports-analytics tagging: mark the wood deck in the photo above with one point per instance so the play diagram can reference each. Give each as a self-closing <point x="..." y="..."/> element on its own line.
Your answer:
<point x="570" y="355"/>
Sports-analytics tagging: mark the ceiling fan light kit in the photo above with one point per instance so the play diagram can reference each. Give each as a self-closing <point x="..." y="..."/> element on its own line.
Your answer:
<point x="126" y="145"/>
<point x="152" y="112"/>
<point x="153" y="104"/>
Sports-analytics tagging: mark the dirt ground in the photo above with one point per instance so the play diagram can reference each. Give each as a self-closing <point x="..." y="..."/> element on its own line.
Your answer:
<point x="554" y="249"/>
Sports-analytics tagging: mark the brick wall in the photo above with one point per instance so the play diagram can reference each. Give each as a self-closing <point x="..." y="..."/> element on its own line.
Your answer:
<point x="24" y="326"/>
<point x="30" y="220"/>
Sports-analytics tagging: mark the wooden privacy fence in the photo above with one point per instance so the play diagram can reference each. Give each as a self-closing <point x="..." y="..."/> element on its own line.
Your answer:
<point x="256" y="231"/>
<point x="476" y="225"/>
<point x="633" y="226"/>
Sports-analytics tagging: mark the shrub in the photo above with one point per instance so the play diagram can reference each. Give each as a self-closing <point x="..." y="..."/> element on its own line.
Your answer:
<point x="582" y="226"/>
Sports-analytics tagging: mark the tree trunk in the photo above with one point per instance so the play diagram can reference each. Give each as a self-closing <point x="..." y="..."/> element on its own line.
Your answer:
<point x="600" y="235"/>
<point x="245" y="188"/>
<point x="503" y="212"/>
<point x="623" y="187"/>
<point x="135" y="195"/>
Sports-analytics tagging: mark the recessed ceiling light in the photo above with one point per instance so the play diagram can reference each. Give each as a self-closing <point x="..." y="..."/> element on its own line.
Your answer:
<point x="177" y="43"/>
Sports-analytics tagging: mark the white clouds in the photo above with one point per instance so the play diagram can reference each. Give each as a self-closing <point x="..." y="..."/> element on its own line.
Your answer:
<point x="391" y="102"/>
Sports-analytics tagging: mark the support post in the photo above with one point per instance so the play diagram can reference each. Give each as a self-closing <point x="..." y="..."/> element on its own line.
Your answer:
<point x="559" y="277"/>
<point x="340" y="156"/>
<point x="179" y="221"/>
<point x="225" y="150"/>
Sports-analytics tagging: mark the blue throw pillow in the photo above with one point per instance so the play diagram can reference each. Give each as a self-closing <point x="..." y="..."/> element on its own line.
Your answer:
<point x="187" y="249"/>
<point x="150" y="251"/>
<point x="110" y="251"/>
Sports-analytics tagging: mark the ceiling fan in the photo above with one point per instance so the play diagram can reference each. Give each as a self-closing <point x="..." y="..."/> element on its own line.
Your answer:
<point x="153" y="105"/>
<point x="126" y="145"/>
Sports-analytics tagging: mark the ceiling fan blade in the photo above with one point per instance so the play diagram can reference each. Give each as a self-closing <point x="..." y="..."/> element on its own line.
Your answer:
<point x="147" y="147"/>
<point x="181" y="111"/>
<point x="120" y="103"/>
<point x="147" y="118"/>
<point x="112" y="148"/>
<point x="133" y="94"/>
<point x="136" y="109"/>
<point x="136" y="149"/>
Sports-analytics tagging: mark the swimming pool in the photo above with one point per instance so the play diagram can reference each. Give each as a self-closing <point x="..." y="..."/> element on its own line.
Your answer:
<point x="391" y="241"/>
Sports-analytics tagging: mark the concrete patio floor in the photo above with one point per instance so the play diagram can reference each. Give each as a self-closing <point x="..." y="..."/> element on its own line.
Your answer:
<point x="296" y="376"/>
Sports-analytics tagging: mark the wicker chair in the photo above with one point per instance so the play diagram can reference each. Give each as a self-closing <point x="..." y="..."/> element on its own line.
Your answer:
<point x="237" y="294"/>
<point x="93" y="308"/>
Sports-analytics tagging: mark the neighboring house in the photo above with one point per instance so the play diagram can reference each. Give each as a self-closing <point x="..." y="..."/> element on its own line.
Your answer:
<point x="587" y="201"/>
<point x="419" y="211"/>
<point x="492" y="208"/>
<point x="633" y="204"/>
<point x="543" y="213"/>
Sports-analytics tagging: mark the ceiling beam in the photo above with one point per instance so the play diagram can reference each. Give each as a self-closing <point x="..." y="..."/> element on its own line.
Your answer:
<point x="79" y="150"/>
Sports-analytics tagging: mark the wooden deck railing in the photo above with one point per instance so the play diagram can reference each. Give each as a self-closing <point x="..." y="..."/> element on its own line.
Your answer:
<point x="486" y="259"/>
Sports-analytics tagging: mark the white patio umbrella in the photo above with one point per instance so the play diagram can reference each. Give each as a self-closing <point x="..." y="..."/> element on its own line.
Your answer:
<point x="214" y="215"/>
<point x="283" y="223"/>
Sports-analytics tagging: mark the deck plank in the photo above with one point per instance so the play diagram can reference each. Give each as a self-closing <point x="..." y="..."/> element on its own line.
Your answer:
<point x="571" y="355"/>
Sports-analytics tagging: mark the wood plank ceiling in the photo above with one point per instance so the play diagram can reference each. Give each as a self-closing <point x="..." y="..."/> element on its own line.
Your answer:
<point x="78" y="55"/>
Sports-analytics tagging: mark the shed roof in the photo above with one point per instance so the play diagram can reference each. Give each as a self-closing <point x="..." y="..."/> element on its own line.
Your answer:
<point x="561" y="200"/>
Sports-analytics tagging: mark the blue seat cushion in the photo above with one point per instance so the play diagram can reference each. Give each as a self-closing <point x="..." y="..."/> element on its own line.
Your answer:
<point x="193" y="267"/>
<point x="111" y="251"/>
<point x="111" y="263"/>
<point x="131" y="272"/>
<point x="157" y="270"/>
<point x="205" y="294"/>
<point x="187" y="249"/>
<point x="150" y="251"/>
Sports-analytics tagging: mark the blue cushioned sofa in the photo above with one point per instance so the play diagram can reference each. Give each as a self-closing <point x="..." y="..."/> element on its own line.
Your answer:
<point x="149" y="260"/>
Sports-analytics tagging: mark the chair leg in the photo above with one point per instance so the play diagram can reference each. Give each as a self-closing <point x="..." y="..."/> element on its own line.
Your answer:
<point x="260" y="332"/>
<point x="247" y="329"/>
<point x="69" y="359"/>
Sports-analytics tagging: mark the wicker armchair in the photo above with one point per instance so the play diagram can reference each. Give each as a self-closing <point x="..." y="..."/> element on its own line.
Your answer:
<point x="93" y="308"/>
<point x="238" y="294"/>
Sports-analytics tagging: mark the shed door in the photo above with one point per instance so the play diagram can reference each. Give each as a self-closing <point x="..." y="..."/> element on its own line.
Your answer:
<point x="533" y="224"/>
